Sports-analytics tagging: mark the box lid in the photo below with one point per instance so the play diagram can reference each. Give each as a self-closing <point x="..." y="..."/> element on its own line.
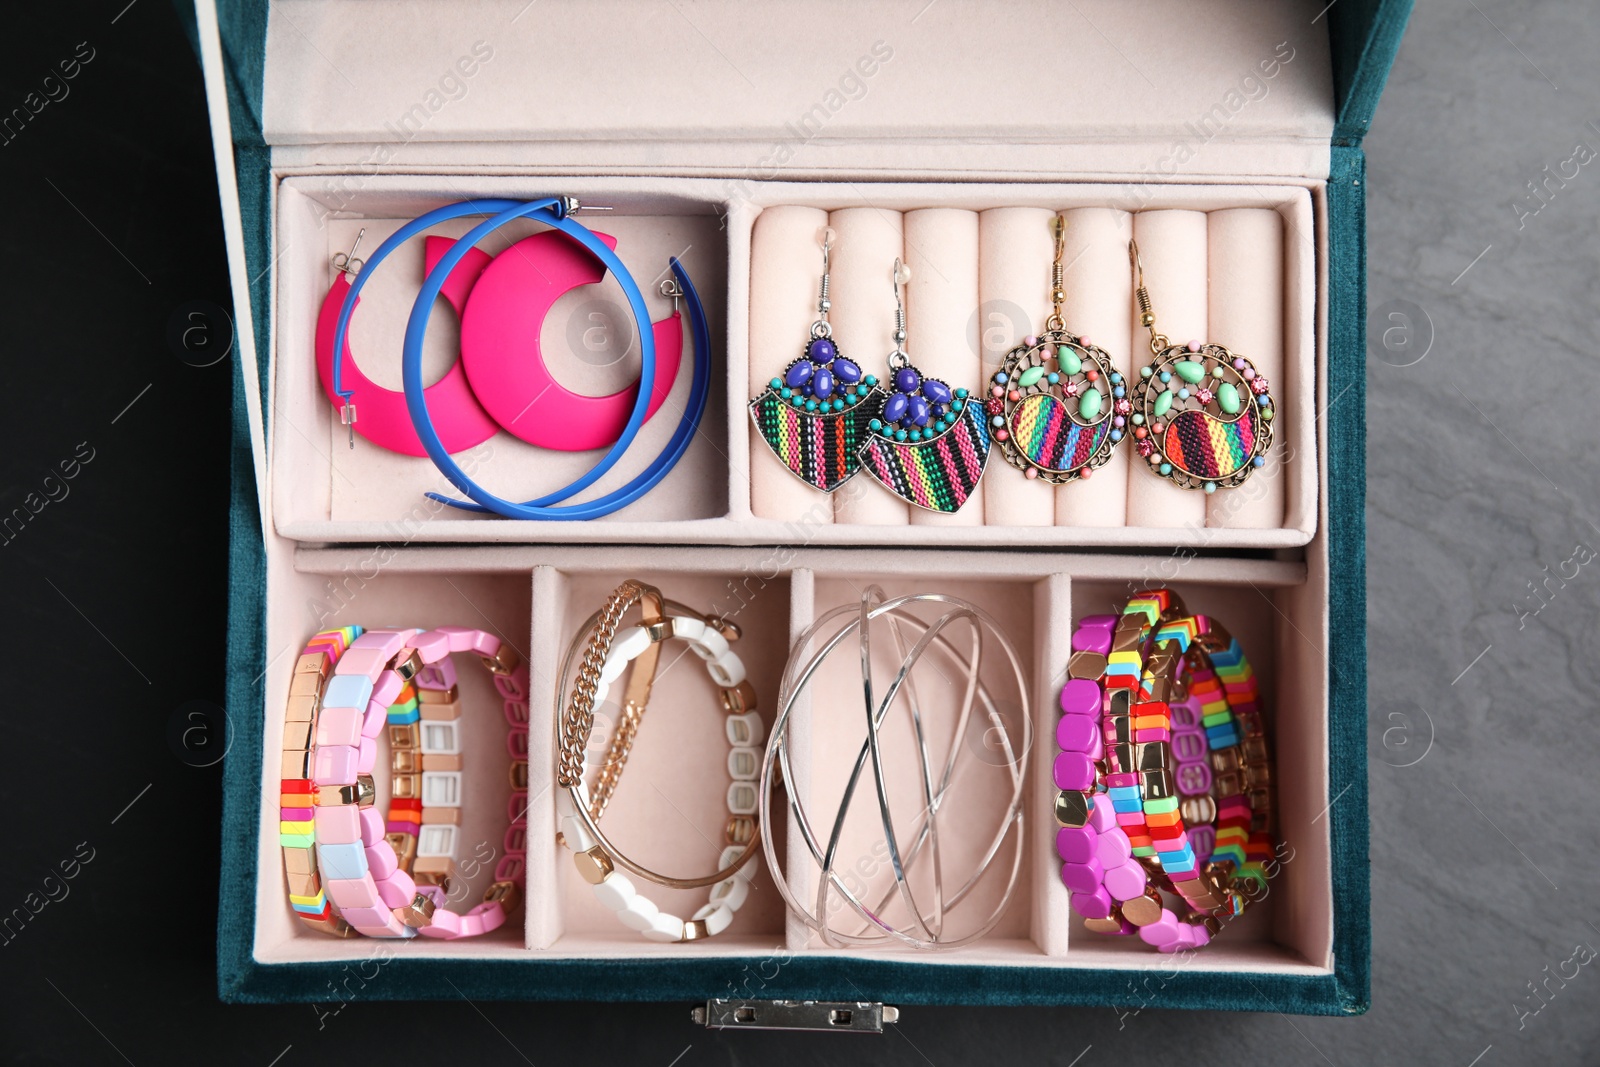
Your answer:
<point x="1364" y="35"/>
<point x="332" y="71"/>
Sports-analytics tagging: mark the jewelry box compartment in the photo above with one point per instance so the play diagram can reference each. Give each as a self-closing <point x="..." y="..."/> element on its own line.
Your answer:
<point x="670" y="806"/>
<point x="980" y="254"/>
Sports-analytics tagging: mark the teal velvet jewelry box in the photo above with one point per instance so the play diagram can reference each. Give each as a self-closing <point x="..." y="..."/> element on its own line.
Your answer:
<point x="286" y="133"/>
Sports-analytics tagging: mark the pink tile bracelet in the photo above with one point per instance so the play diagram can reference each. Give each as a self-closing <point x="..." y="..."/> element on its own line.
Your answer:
<point x="362" y="865"/>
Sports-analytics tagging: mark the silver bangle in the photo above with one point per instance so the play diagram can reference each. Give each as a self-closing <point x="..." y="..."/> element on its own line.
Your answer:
<point x="922" y="927"/>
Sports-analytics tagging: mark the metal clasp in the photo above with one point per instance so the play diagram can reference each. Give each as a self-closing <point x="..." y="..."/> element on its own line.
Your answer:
<point x="507" y="894"/>
<point x="724" y="626"/>
<point x="859" y="1017"/>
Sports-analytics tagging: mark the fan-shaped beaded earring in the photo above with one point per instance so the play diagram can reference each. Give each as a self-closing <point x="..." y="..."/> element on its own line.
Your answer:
<point x="930" y="442"/>
<point x="814" y="415"/>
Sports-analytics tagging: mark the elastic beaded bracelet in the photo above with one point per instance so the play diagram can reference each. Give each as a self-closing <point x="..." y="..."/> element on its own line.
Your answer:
<point x="405" y="786"/>
<point x="1243" y="696"/>
<point x="1165" y="737"/>
<point x="1105" y="878"/>
<point x="1236" y="793"/>
<point x="374" y="894"/>
<point x="1192" y="773"/>
<point x="425" y="809"/>
<point x="440" y="791"/>
<point x="1138" y="724"/>
<point x="298" y="795"/>
<point x="1156" y="777"/>
<point x="1089" y="842"/>
<point x="1098" y="842"/>
<point x="422" y="797"/>
<point x="511" y="868"/>
<point x="608" y="655"/>
<point x="1203" y="886"/>
<point x="363" y="876"/>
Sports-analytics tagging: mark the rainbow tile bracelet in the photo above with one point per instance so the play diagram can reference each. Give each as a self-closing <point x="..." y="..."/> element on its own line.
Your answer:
<point x="297" y="793"/>
<point x="1164" y="774"/>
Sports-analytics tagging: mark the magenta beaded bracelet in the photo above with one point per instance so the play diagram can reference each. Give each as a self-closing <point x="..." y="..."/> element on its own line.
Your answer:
<point x="1110" y="886"/>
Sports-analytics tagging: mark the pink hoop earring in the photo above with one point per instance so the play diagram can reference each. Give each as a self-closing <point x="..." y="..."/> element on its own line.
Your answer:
<point x="461" y="421"/>
<point x="501" y="354"/>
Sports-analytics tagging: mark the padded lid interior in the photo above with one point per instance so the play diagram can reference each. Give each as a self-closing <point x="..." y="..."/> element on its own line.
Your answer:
<point x="716" y="83"/>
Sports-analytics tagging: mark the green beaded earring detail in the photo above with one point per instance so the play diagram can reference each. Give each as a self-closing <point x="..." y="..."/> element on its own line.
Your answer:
<point x="1056" y="406"/>
<point x="1202" y="416"/>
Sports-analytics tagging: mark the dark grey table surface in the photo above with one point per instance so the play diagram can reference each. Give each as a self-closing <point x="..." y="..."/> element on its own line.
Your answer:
<point x="1482" y="539"/>
<point x="1483" y="580"/>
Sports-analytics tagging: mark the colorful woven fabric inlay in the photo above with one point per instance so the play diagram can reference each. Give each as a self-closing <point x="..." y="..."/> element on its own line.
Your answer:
<point x="1207" y="447"/>
<point x="1045" y="432"/>
<point x="939" y="474"/>
<point x="821" y="449"/>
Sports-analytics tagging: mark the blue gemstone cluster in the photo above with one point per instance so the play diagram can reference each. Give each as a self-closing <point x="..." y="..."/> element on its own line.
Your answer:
<point x="919" y="408"/>
<point x="822" y="380"/>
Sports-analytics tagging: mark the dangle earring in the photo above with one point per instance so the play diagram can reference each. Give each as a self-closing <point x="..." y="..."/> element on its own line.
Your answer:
<point x="1057" y="406"/>
<point x="930" y="442"/>
<point x="814" y="416"/>
<point x="1201" y="414"/>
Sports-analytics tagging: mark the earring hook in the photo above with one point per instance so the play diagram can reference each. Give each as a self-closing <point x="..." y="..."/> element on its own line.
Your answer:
<point x="347" y="264"/>
<point x="901" y="275"/>
<point x="1147" y="318"/>
<point x="1058" y="293"/>
<point x="822" y="328"/>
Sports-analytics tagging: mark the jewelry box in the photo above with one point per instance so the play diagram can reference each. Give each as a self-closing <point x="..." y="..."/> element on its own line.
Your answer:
<point x="334" y="117"/>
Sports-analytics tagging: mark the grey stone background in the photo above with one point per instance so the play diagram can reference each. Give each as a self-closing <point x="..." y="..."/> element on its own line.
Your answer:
<point x="1481" y="486"/>
<point x="1483" y="583"/>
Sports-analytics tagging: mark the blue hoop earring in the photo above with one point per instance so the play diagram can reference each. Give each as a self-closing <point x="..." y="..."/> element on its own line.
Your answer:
<point x="555" y="212"/>
<point x="688" y="426"/>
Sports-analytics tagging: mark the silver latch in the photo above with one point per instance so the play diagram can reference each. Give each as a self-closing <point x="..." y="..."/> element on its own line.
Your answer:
<point x="855" y="1016"/>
